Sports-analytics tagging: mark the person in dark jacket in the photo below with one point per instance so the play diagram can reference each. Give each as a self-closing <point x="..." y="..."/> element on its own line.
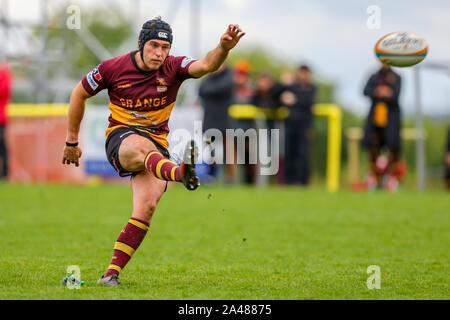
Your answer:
<point x="267" y="97"/>
<point x="299" y="97"/>
<point x="383" y="124"/>
<point x="216" y="94"/>
<point x="243" y="92"/>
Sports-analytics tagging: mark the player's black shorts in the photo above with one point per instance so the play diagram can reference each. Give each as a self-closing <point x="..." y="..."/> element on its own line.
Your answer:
<point x="112" y="146"/>
<point x="381" y="137"/>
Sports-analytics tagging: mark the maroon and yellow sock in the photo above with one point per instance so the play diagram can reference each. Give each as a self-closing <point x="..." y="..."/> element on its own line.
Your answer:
<point x="128" y="241"/>
<point x="162" y="167"/>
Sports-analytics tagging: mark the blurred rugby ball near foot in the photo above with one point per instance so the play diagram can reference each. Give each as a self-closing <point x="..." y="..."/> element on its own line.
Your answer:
<point x="401" y="49"/>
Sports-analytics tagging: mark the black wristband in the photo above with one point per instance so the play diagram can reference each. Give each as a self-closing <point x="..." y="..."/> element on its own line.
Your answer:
<point x="68" y="144"/>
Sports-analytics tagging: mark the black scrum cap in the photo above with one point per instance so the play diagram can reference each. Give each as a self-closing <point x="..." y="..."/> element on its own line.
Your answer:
<point x="154" y="29"/>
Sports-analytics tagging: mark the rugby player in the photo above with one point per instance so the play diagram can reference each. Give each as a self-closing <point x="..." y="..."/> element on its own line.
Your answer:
<point x="382" y="127"/>
<point x="142" y="86"/>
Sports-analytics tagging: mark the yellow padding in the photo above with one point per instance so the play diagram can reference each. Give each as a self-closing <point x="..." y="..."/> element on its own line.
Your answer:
<point x="248" y="111"/>
<point x="159" y="166"/>
<point x="37" y="110"/>
<point x="124" y="248"/>
<point x="114" y="267"/>
<point x="138" y="224"/>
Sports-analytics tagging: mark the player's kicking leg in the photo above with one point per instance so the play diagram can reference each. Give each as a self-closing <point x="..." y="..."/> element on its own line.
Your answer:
<point x="138" y="154"/>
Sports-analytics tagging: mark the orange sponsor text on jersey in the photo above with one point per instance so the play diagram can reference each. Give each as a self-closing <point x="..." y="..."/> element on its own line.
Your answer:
<point x="146" y="103"/>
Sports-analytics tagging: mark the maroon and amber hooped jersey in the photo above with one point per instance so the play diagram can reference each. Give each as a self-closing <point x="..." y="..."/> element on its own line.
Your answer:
<point x="139" y="98"/>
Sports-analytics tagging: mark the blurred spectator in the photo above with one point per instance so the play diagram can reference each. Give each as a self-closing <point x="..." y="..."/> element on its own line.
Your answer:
<point x="242" y="95"/>
<point x="267" y="96"/>
<point x="287" y="77"/>
<point x="216" y="94"/>
<point x="382" y="127"/>
<point x="5" y="96"/>
<point x="447" y="161"/>
<point x="299" y="97"/>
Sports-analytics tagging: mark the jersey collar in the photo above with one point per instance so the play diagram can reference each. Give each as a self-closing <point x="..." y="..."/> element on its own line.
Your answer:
<point x="133" y="58"/>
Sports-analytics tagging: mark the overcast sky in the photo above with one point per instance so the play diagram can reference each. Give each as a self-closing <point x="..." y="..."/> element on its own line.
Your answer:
<point x="332" y="36"/>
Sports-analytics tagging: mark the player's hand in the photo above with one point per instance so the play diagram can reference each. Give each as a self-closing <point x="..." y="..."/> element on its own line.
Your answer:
<point x="288" y="98"/>
<point x="72" y="155"/>
<point x="384" y="91"/>
<point x="231" y="37"/>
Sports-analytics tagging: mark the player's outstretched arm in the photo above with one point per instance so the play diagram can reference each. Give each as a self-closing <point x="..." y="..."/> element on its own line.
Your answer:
<point x="214" y="59"/>
<point x="77" y="105"/>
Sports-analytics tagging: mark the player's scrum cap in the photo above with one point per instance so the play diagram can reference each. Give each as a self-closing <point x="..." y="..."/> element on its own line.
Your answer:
<point x="155" y="29"/>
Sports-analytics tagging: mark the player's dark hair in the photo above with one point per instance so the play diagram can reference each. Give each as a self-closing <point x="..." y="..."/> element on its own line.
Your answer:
<point x="154" y="29"/>
<point x="304" y="67"/>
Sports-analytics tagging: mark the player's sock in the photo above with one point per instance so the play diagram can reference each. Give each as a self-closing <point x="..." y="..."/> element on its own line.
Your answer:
<point x="162" y="167"/>
<point x="128" y="241"/>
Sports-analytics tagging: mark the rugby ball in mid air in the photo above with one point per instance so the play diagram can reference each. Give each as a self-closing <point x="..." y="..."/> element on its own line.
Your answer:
<point x="401" y="49"/>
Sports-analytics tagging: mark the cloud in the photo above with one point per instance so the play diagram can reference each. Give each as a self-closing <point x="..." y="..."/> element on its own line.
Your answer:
<point x="20" y="10"/>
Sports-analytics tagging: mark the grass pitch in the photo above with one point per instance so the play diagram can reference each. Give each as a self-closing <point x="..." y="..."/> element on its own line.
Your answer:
<point x="227" y="243"/>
